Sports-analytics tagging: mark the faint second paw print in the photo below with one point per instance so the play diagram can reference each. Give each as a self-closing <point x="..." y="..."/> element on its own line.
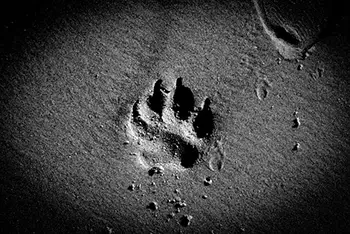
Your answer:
<point x="169" y="130"/>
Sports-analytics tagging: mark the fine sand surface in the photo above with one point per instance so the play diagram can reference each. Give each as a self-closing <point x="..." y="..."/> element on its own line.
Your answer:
<point x="190" y="117"/>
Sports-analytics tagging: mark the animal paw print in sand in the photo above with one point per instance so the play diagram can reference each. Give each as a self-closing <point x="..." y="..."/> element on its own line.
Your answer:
<point x="169" y="130"/>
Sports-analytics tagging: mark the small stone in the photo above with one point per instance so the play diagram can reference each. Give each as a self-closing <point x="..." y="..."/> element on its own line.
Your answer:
<point x="296" y="147"/>
<point x="153" y="184"/>
<point x="126" y="142"/>
<point x="296" y="122"/>
<point x="180" y="205"/>
<point x="177" y="177"/>
<point x="278" y="61"/>
<point x="186" y="220"/>
<point x="156" y="170"/>
<point x="204" y="196"/>
<point x="176" y="191"/>
<point x="177" y="210"/>
<point x="153" y="206"/>
<point x="171" y="201"/>
<point x="131" y="187"/>
<point x="109" y="230"/>
<point x="208" y="181"/>
<point x="300" y="67"/>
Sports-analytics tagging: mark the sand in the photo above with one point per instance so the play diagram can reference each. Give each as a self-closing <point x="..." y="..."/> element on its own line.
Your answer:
<point x="190" y="117"/>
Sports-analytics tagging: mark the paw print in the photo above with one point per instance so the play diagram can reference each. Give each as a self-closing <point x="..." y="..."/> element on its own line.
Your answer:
<point x="169" y="130"/>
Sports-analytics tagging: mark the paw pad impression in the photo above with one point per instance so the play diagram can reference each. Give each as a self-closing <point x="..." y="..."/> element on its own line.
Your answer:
<point x="167" y="127"/>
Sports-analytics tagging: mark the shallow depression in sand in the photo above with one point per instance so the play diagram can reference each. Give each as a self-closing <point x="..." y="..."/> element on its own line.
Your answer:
<point x="167" y="130"/>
